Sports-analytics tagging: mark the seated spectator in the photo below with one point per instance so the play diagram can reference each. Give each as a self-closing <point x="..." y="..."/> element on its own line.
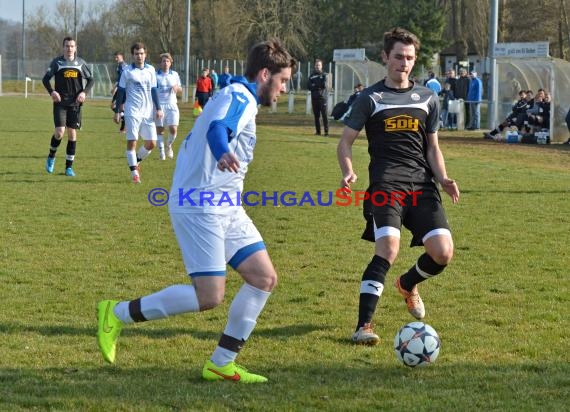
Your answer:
<point x="539" y="115"/>
<point x="357" y="89"/>
<point x="535" y="115"/>
<point x="341" y="108"/>
<point x="515" y="118"/>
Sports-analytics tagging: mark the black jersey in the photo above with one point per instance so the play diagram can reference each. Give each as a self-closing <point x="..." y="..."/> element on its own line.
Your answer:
<point x="69" y="77"/>
<point x="317" y="85"/>
<point x="397" y="123"/>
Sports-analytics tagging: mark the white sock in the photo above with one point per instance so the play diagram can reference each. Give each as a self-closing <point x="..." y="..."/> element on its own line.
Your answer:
<point x="242" y="318"/>
<point x="170" y="301"/>
<point x="143" y="153"/>
<point x="131" y="157"/>
<point x="160" y="139"/>
<point x="171" y="139"/>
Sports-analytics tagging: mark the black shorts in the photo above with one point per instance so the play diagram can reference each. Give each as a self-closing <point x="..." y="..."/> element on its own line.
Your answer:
<point x="67" y="116"/>
<point x="415" y="205"/>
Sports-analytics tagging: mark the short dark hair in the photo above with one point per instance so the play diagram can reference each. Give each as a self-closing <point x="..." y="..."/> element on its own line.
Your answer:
<point x="136" y="46"/>
<point x="399" y="35"/>
<point x="118" y="53"/>
<point x="270" y="55"/>
<point x="67" y="38"/>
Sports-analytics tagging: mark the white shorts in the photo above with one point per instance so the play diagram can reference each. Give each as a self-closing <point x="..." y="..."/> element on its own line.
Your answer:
<point x="171" y="116"/>
<point x="209" y="241"/>
<point x="145" y="128"/>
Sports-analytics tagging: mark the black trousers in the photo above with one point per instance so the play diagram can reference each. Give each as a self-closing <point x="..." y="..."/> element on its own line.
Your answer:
<point x="320" y="110"/>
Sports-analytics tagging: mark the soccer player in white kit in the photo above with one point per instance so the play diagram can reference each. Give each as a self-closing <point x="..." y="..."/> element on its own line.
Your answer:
<point x="138" y="82"/>
<point x="211" y="164"/>
<point x="168" y="86"/>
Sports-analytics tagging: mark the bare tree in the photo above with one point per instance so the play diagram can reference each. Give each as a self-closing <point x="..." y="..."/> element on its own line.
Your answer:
<point x="287" y="20"/>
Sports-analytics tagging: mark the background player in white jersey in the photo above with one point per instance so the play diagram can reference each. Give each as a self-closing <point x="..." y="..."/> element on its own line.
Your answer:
<point x="401" y="120"/>
<point x="138" y="82"/>
<point x="169" y="85"/>
<point x="214" y="159"/>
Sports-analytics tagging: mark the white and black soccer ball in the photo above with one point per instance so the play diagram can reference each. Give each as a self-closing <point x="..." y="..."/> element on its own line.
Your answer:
<point x="417" y="344"/>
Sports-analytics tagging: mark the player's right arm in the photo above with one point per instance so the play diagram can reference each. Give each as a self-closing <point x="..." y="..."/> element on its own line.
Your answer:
<point x="344" y="155"/>
<point x="46" y="81"/>
<point x="227" y="124"/>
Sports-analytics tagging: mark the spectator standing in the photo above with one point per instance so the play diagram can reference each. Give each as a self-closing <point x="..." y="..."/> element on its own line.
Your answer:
<point x="204" y="88"/>
<point x="433" y="84"/>
<point x="449" y="120"/>
<point x="474" y="97"/>
<point x="224" y="78"/>
<point x="214" y="77"/>
<point x="318" y="86"/>
<point x="452" y="80"/>
<point x="68" y="94"/>
<point x="461" y="91"/>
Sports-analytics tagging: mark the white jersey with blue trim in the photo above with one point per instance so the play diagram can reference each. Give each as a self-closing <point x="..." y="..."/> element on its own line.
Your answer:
<point x="165" y="82"/>
<point x="137" y="83"/>
<point x="198" y="186"/>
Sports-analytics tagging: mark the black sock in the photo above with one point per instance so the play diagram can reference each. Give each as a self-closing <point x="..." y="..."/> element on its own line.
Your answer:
<point x="70" y="151"/>
<point x="427" y="266"/>
<point x="54" y="144"/>
<point x="375" y="272"/>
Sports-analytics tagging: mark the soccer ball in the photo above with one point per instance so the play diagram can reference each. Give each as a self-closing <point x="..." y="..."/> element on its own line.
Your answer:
<point x="417" y="344"/>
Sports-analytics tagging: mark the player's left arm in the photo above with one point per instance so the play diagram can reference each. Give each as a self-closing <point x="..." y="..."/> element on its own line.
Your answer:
<point x="89" y="82"/>
<point x="177" y="88"/>
<point x="437" y="165"/>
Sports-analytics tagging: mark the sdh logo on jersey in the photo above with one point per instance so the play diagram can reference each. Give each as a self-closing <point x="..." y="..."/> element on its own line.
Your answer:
<point x="70" y="73"/>
<point x="402" y="123"/>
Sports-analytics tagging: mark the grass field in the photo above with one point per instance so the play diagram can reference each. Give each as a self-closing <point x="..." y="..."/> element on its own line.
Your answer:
<point x="500" y="307"/>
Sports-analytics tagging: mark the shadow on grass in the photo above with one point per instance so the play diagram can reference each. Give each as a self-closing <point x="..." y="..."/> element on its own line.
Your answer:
<point x="154" y="333"/>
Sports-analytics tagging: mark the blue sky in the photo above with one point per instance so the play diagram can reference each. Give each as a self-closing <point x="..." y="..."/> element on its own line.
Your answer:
<point x="12" y="9"/>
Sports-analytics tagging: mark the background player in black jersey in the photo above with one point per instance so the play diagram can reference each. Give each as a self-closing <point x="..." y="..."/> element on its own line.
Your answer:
<point x="68" y="95"/>
<point x="406" y="165"/>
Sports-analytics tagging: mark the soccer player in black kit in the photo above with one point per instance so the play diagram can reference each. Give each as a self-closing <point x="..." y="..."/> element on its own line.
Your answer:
<point x="68" y="95"/>
<point x="317" y="85"/>
<point x="406" y="167"/>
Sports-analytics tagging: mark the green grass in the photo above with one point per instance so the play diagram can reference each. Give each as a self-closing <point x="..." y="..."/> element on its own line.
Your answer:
<point x="500" y="307"/>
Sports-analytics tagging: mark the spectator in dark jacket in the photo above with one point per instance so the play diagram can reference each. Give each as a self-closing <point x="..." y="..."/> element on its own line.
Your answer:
<point x="318" y="86"/>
